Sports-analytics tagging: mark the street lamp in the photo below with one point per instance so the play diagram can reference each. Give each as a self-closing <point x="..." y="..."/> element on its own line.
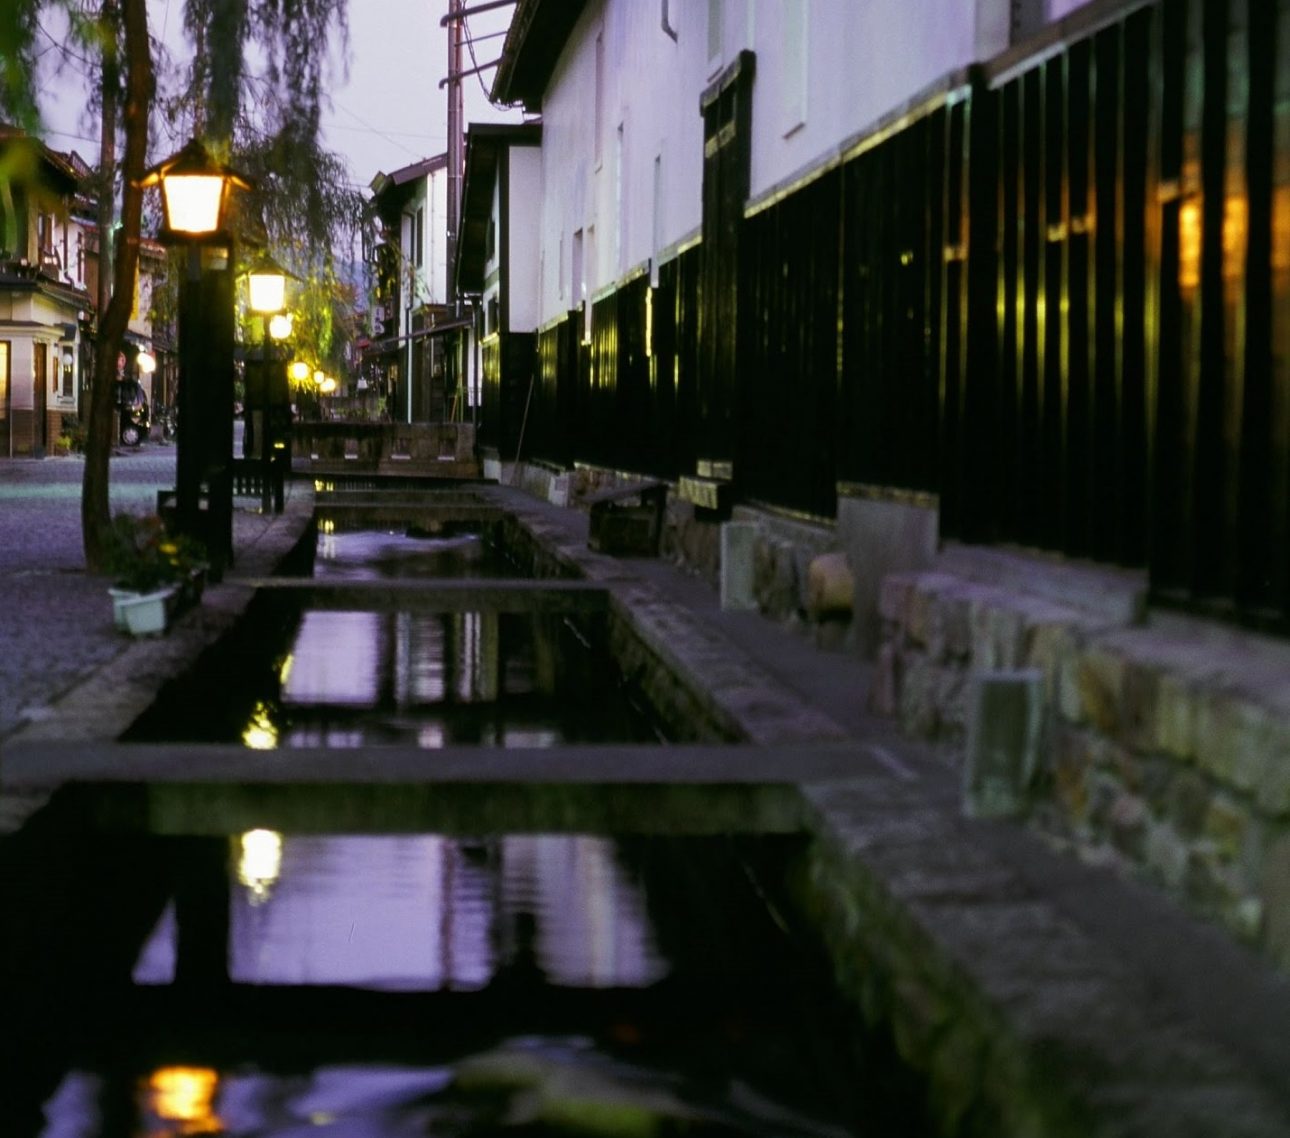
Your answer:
<point x="194" y="194"/>
<point x="266" y="283"/>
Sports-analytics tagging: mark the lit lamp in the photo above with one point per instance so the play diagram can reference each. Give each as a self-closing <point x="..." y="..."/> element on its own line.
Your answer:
<point x="194" y="194"/>
<point x="266" y="286"/>
<point x="147" y="362"/>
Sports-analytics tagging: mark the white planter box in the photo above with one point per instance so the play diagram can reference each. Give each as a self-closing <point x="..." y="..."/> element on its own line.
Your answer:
<point x="143" y="614"/>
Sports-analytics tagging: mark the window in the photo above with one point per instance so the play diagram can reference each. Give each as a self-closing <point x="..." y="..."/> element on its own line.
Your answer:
<point x="577" y="282"/>
<point x="490" y="239"/>
<point x="589" y="280"/>
<point x="599" y="122"/>
<point x="795" y="68"/>
<point x="620" y="199"/>
<point x="4" y="380"/>
<point x="560" y="269"/>
<point x="716" y="29"/>
<point x="419" y="236"/>
<point x="656" y="233"/>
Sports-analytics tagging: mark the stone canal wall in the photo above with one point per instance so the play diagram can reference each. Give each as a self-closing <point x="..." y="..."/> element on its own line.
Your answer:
<point x="1166" y="743"/>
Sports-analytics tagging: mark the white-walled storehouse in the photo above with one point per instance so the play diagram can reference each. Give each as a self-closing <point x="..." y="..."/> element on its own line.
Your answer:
<point x="618" y="85"/>
<point x="970" y="291"/>
<point x="498" y="268"/>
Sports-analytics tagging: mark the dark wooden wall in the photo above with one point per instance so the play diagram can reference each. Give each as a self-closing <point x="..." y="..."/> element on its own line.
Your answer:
<point x="1058" y="299"/>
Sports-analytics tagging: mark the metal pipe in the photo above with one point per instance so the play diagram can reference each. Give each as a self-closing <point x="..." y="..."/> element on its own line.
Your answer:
<point x="666" y="19"/>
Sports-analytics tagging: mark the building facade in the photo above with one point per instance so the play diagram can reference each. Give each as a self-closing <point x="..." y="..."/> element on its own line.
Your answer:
<point x="45" y="309"/>
<point x="404" y="364"/>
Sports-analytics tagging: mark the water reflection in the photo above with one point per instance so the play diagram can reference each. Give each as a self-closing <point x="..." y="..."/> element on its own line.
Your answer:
<point x="182" y="1101"/>
<point x="433" y="680"/>
<point x="427" y="913"/>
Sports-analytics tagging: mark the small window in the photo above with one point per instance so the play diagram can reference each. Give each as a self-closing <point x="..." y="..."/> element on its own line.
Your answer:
<point x="490" y="239"/>
<point x="796" y="73"/>
<point x="716" y="29"/>
<point x="420" y="236"/>
<point x="598" y="124"/>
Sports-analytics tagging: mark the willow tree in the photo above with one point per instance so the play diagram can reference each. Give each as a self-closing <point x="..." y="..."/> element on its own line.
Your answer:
<point x="287" y="37"/>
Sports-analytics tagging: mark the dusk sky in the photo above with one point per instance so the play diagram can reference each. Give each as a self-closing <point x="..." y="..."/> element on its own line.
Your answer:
<point x="387" y="110"/>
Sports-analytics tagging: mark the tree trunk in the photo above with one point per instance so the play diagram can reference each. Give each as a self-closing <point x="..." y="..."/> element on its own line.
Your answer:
<point x="95" y="514"/>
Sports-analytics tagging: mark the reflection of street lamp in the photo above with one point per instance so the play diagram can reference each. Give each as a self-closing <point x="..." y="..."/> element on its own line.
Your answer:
<point x="266" y="283"/>
<point x="194" y="192"/>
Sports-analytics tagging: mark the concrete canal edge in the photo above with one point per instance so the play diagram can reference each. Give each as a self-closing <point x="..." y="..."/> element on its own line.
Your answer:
<point x="1020" y="1023"/>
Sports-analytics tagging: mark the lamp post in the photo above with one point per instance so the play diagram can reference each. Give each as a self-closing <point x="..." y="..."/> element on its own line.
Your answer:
<point x="194" y="194"/>
<point x="266" y="282"/>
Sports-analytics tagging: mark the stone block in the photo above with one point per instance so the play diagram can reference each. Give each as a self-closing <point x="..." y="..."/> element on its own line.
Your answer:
<point x="1274" y="785"/>
<point x="1275" y="896"/>
<point x="1227" y="826"/>
<point x="1139" y="712"/>
<point x="1100" y="679"/>
<point x="738" y="540"/>
<point x="1188" y="802"/>
<point x="922" y="613"/>
<point x="955" y="627"/>
<point x="1233" y="738"/>
<point x="1167" y="855"/>
<point x="1004" y="730"/>
<point x="1129" y="820"/>
<point x="1213" y="883"/>
<point x="919" y="714"/>
<point x="1175" y="730"/>
<point x="1071" y="764"/>
<point x="893" y="597"/>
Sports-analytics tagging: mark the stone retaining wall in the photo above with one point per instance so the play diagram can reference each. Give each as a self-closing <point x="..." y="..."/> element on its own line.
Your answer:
<point x="1167" y="742"/>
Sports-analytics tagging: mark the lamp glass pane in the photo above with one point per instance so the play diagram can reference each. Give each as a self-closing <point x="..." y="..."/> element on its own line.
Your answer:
<point x="268" y="291"/>
<point x="193" y="202"/>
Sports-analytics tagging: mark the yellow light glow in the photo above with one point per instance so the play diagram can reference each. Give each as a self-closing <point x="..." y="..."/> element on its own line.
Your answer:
<point x="260" y="863"/>
<point x="147" y="363"/>
<point x="299" y="371"/>
<point x="185" y="1095"/>
<point x="328" y="385"/>
<point x="284" y="669"/>
<point x="280" y="326"/>
<point x="1189" y="237"/>
<point x="260" y="734"/>
<point x="193" y="201"/>
<point x="268" y="291"/>
<point x="649" y="322"/>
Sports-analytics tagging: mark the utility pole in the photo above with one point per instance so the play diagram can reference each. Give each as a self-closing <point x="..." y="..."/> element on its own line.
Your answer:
<point x="456" y="159"/>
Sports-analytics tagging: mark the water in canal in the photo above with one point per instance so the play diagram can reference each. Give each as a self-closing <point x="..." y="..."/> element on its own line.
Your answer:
<point x="277" y="985"/>
<point x="357" y="678"/>
<point x="396" y="985"/>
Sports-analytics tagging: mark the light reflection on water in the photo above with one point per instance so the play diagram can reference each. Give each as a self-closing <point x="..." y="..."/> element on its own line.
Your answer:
<point x="427" y="913"/>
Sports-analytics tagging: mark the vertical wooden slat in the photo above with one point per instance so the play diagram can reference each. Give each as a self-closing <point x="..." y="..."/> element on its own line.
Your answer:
<point x="1055" y="341"/>
<point x="1208" y="401"/>
<point x="1257" y="535"/>
<point x="1077" y="504"/>
<point x="1278" y="564"/>
<point x="1105" y="458"/>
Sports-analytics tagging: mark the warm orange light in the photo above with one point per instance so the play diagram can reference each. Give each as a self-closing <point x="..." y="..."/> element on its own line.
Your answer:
<point x="185" y="1095"/>
<point x="1189" y="237"/>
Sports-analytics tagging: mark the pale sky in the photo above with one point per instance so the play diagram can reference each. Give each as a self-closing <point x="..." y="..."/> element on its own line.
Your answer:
<point x="387" y="111"/>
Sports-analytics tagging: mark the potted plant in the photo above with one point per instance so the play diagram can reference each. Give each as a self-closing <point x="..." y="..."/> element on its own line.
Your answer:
<point x="154" y="573"/>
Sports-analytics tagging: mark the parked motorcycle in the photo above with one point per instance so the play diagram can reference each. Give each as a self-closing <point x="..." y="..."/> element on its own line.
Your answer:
<point x="132" y="410"/>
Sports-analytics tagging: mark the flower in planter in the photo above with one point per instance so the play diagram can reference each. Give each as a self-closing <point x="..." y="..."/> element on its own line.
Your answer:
<point x="144" y="558"/>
